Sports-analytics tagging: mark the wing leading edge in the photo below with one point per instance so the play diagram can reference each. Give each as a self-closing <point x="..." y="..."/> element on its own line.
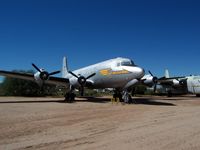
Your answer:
<point x="26" y="76"/>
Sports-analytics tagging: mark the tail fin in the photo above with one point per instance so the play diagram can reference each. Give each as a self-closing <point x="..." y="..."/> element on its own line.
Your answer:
<point x="166" y="73"/>
<point x="64" y="67"/>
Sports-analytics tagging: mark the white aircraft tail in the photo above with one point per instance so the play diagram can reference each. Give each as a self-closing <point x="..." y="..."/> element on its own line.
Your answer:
<point x="166" y="73"/>
<point x="64" y="67"/>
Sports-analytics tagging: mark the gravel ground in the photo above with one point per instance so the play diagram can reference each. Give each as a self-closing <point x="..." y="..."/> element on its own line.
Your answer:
<point x="153" y="123"/>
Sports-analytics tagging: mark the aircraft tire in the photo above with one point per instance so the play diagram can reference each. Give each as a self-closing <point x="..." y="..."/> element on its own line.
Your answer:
<point x="169" y="94"/>
<point x="197" y="95"/>
<point x="70" y="97"/>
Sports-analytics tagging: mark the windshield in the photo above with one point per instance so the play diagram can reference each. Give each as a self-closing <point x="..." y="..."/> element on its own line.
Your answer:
<point x="127" y="63"/>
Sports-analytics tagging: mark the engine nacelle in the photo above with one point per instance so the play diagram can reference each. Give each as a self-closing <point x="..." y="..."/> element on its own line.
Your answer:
<point x="40" y="77"/>
<point x="176" y="83"/>
<point x="149" y="80"/>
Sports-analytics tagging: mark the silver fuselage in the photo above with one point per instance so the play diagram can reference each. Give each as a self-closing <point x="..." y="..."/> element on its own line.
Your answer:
<point x="113" y="73"/>
<point x="193" y="84"/>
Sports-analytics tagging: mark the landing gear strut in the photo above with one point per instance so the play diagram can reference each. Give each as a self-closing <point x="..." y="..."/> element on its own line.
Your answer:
<point x="127" y="97"/>
<point x="169" y="93"/>
<point x="124" y="97"/>
<point x="117" y="95"/>
<point x="70" y="97"/>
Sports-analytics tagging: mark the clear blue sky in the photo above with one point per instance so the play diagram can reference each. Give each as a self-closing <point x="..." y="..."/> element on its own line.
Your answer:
<point x="155" y="34"/>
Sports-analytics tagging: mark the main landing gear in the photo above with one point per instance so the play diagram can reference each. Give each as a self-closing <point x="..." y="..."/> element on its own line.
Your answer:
<point x="70" y="97"/>
<point x="124" y="97"/>
<point x="117" y="95"/>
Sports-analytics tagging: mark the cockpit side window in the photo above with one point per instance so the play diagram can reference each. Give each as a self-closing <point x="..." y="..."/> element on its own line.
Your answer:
<point x="118" y="64"/>
<point x="127" y="63"/>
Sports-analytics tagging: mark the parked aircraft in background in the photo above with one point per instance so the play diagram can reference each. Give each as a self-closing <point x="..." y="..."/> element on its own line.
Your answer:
<point x="118" y="73"/>
<point x="177" y="85"/>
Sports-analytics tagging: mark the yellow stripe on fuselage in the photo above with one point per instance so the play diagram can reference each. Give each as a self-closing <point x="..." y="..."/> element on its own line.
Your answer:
<point x="120" y="72"/>
<point x="106" y="72"/>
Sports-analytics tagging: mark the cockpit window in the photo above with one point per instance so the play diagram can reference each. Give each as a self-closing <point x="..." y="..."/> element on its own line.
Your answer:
<point x="127" y="63"/>
<point x="118" y="64"/>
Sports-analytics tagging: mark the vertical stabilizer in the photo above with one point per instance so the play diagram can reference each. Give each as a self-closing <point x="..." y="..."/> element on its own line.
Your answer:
<point x="64" y="67"/>
<point x="166" y="73"/>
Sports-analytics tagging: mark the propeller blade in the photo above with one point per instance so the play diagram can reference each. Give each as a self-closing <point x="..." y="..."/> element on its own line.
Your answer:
<point x="55" y="72"/>
<point x="73" y="74"/>
<point x="82" y="81"/>
<point x="91" y="75"/>
<point x="82" y="90"/>
<point x="150" y="73"/>
<point x="155" y="87"/>
<point x="36" y="67"/>
<point x="155" y="80"/>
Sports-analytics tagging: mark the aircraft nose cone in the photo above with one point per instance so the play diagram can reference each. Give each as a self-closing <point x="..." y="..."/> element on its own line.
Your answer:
<point x="140" y="72"/>
<point x="137" y="71"/>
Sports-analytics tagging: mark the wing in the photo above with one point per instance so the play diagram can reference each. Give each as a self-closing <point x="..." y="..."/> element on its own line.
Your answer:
<point x="172" y="80"/>
<point x="26" y="76"/>
<point x="164" y="78"/>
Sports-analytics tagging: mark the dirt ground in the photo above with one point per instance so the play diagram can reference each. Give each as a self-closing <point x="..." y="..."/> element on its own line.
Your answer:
<point x="154" y="123"/>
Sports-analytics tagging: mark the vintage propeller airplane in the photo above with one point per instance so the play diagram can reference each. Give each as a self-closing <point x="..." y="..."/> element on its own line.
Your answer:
<point x="177" y="85"/>
<point x="118" y="73"/>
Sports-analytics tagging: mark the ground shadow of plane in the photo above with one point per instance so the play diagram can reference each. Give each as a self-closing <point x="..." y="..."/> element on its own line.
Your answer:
<point x="83" y="99"/>
<point x="144" y="101"/>
<point x="151" y="102"/>
<point x="32" y="101"/>
<point x="93" y="99"/>
<point x="179" y="98"/>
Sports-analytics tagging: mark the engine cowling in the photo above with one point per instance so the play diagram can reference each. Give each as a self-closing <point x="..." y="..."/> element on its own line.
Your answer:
<point x="41" y="75"/>
<point x="38" y="79"/>
<point x="81" y="80"/>
<point x="149" y="80"/>
<point x="176" y="82"/>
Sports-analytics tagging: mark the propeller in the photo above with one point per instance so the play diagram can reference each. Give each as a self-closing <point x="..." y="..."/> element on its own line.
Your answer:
<point x="44" y="75"/>
<point x="82" y="80"/>
<point x="155" y="80"/>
